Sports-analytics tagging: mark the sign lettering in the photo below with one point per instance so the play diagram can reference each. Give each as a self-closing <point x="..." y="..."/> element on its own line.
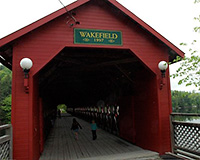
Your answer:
<point x="102" y="37"/>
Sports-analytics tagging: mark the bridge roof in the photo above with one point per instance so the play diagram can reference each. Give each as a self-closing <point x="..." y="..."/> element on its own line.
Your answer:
<point x="7" y="42"/>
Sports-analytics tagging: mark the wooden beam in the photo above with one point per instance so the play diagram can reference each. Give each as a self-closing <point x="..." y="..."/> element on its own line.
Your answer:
<point x="5" y="63"/>
<point x="82" y="68"/>
<point x="125" y="74"/>
<point x="110" y="63"/>
<point x="103" y="64"/>
<point x="69" y="60"/>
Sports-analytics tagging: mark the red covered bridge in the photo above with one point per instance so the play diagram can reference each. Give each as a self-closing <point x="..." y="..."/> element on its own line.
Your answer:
<point x="98" y="50"/>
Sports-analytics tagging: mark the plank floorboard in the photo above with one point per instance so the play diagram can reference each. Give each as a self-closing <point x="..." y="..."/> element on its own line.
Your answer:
<point x="62" y="145"/>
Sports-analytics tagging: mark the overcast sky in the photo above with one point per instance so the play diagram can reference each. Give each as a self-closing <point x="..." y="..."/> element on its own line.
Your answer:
<point x="174" y="19"/>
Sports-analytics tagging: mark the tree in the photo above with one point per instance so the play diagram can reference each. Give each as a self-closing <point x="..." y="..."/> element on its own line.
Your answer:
<point x="62" y="107"/>
<point x="185" y="102"/>
<point x="195" y="100"/>
<point x="5" y="94"/>
<point x="189" y="70"/>
<point x="5" y="82"/>
<point x="5" y="108"/>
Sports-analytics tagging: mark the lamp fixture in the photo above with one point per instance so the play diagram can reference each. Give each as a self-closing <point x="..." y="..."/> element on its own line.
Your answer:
<point x="26" y="64"/>
<point x="162" y="65"/>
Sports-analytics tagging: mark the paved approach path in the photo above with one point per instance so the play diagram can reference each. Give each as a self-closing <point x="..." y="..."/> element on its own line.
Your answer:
<point x="61" y="144"/>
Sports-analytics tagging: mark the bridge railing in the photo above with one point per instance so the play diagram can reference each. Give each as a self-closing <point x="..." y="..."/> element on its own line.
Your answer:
<point x="6" y="142"/>
<point x="185" y="135"/>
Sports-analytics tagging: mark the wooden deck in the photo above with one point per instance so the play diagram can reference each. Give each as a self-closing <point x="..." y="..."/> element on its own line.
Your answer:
<point x="61" y="144"/>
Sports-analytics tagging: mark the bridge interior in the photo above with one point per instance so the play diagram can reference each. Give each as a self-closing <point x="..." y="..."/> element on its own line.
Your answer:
<point x="81" y="77"/>
<point x="61" y="144"/>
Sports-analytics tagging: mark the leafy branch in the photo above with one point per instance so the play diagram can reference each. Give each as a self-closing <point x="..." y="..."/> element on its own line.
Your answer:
<point x="189" y="70"/>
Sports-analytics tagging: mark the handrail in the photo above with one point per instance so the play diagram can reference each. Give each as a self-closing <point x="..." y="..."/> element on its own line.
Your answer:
<point x="186" y="123"/>
<point x="5" y="126"/>
<point x="185" y="136"/>
<point x="185" y="114"/>
<point x="6" y="142"/>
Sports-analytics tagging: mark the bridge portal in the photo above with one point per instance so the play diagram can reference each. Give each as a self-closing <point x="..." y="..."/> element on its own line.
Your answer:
<point x="98" y="50"/>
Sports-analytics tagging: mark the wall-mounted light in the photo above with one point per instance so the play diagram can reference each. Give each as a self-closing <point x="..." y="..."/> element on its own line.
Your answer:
<point x="26" y="64"/>
<point x="162" y="65"/>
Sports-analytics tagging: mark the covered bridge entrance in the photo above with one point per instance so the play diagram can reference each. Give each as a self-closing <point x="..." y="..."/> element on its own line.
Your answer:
<point x="97" y="50"/>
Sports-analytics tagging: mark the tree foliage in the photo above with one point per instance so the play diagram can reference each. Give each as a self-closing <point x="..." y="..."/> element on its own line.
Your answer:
<point x="185" y="102"/>
<point x="5" y="94"/>
<point x="62" y="107"/>
<point x="6" y="110"/>
<point x="189" y="70"/>
<point x="5" y="83"/>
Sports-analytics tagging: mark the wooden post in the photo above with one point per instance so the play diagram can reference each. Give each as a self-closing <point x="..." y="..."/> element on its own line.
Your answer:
<point x="41" y="125"/>
<point x="172" y="134"/>
<point x="11" y="142"/>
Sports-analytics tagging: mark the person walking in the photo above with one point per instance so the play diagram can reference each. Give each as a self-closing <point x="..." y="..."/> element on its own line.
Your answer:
<point x="59" y="113"/>
<point x="75" y="127"/>
<point x="94" y="128"/>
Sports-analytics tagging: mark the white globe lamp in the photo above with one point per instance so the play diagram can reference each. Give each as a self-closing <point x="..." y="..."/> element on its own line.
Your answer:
<point x="162" y="65"/>
<point x="26" y="63"/>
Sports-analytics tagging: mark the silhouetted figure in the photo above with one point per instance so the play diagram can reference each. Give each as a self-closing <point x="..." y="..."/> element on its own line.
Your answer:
<point x="59" y="113"/>
<point x="75" y="127"/>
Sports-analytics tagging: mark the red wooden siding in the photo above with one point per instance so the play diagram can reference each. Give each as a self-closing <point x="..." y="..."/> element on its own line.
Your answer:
<point x="41" y="119"/>
<point x="20" y="113"/>
<point x="165" y="110"/>
<point x="127" y="119"/>
<point x="43" y="43"/>
<point x="34" y="114"/>
<point x="147" y="113"/>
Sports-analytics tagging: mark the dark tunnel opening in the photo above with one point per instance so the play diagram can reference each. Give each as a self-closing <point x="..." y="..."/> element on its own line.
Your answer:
<point x="83" y="77"/>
